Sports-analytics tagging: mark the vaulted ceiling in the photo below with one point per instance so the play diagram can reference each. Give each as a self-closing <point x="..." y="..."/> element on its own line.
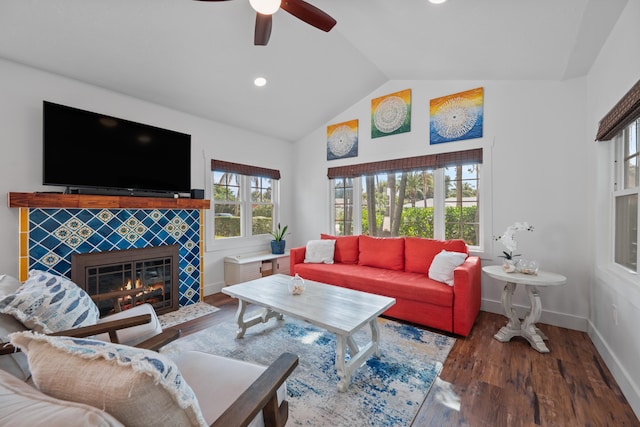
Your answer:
<point x="199" y="57"/>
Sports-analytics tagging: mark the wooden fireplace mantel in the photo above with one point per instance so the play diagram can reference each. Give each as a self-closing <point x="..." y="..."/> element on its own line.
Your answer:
<point x="56" y="200"/>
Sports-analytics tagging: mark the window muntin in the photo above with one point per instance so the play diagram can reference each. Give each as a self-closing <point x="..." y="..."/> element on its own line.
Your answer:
<point x="433" y="203"/>
<point x="630" y="160"/>
<point x="626" y="235"/>
<point x="261" y="205"/>
<point x="462" y="216"/>
<point x="343" y="206"/>
<point x="625" y="198"/>
<point x="243" y="206"/>
<point x="227" y="205"/>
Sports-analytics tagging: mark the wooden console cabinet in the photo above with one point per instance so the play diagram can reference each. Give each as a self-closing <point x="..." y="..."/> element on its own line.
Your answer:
<point x="245" y="267"/>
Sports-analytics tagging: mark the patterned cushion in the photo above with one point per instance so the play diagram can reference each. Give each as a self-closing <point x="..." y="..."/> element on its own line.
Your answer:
<point x="138" y="387"/>
<point x="49" y="303"/>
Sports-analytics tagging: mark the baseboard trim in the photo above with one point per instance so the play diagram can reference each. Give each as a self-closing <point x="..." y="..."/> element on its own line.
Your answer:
<point x="213" y="288"/>
<point x="629" y="388"/>
<point x="554" y="318"/>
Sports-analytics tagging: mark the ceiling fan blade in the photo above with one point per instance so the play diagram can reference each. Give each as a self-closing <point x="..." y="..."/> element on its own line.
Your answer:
<point x="263" y="30"/>
<point x="309" y="14"/>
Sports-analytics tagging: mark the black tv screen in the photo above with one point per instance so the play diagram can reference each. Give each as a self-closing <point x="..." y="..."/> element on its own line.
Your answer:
<point x="95" y="151"/>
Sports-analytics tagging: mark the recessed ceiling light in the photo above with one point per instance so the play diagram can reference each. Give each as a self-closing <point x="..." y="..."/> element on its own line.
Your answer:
<point x="437" y="1"/>
<point x="260" y="81"/>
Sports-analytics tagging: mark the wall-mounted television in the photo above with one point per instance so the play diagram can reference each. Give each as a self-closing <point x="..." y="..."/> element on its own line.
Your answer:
<point x="95" y="153"/>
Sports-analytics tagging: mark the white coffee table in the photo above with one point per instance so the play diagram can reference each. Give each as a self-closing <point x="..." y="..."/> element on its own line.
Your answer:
<point x="526" y="328"/>
<point x="338" y="310"/>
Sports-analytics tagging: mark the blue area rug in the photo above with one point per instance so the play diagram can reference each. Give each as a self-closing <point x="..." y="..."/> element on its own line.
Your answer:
<point x="384" y="392"/>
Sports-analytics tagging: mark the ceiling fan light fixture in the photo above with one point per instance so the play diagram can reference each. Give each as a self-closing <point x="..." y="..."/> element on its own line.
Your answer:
<point x="265" y="7"/>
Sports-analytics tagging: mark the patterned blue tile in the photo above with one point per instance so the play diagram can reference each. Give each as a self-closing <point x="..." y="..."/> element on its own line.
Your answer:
<point x="56" y="234"/>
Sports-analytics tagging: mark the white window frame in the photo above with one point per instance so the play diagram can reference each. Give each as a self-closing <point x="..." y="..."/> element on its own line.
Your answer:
<point x="439" y="205"/>
<point x="213" y="244"/>
<point x="619" y="190"/>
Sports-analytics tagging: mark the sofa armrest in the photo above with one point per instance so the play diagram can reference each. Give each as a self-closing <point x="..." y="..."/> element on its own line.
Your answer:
<point x="467" y="295"/>
<point x="296" y="256"/>
<point x="262" y="396"/>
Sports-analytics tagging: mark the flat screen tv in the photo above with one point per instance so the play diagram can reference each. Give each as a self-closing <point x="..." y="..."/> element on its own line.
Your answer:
<point x="95" y="153"/>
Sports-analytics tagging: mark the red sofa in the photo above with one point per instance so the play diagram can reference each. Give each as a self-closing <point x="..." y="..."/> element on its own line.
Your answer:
<point x="398" y="267"/>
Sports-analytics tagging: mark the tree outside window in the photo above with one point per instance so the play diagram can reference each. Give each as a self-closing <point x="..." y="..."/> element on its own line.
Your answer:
<point x="440" y="203"/>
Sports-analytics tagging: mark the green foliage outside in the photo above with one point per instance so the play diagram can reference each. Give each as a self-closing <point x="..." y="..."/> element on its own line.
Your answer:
<point x="229" y="226"/>
<point x="365" y="220"/>
<point x="417" y="222"/>
<point x="460" y="223"/>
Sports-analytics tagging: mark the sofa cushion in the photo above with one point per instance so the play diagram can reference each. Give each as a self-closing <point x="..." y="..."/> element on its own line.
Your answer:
<point x="346" y="250"/>
<point x="50" y="303"/>
<point x="319" y="251"/>
<point x="443" y="265"/>
<point x="112" y="377"/>
<point x="391" y="283"/>
<point x="381" y="252"/>
<point x="21" y="405"/>
<point x="419" y="252"/>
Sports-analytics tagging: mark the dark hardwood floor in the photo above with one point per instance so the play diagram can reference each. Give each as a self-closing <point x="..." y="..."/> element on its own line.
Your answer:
<point x="491" y="384"/>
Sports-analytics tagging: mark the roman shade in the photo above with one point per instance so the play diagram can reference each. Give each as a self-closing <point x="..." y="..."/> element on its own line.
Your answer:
<point x="621" y="115"/>
<point x="229" y="167"/>
<point x="430" y="161"/>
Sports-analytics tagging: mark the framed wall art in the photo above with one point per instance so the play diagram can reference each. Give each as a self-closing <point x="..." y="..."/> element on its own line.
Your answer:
<point x="342" y="140"/>
<point x="456" y="117"/>
<point x="391" y="114"/>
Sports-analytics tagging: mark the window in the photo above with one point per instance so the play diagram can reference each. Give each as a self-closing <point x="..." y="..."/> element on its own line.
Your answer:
<point x="439" y="201"/>
<point x="245" y="200"/>
<point x="625" y="194"/>
<point x="622" y="124"/>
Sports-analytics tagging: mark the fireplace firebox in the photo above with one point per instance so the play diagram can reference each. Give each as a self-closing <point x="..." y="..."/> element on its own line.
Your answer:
<point x="119" y="280"/>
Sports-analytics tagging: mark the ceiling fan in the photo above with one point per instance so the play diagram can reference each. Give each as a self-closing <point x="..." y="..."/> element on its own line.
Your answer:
<point x="298" y="8"/>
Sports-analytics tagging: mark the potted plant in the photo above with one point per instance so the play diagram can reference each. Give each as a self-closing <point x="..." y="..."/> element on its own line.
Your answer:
<point x="278" y="243"/>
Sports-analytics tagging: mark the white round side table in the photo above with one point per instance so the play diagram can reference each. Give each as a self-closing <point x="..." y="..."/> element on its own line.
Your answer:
<point x="527" y="327"/>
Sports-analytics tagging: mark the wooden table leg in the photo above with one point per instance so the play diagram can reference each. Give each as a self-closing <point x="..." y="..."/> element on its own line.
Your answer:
<point x="358" y="356"/>
<point x="262" y="317"/>
<point x="513" y="327"/>
<point x="529" y="330"/>
<point x="344" y="376"/>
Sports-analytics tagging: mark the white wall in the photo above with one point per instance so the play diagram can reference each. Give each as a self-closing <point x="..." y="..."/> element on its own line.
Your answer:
<point x="615" y="71"/>
<point x="534" y="170"/>
<point x="22" y="90"/>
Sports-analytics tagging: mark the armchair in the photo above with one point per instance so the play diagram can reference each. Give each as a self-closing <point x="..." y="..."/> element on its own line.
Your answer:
<point x="226" y="392"/>
<point x="106" y="384"/>
<point x="130" y="327"/>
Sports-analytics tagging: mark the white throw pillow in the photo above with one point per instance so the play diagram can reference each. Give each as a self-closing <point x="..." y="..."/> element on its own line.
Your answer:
<point x="443" y="265"/>
<point x="320" y="251"/>
<point x="50" y="303"/>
